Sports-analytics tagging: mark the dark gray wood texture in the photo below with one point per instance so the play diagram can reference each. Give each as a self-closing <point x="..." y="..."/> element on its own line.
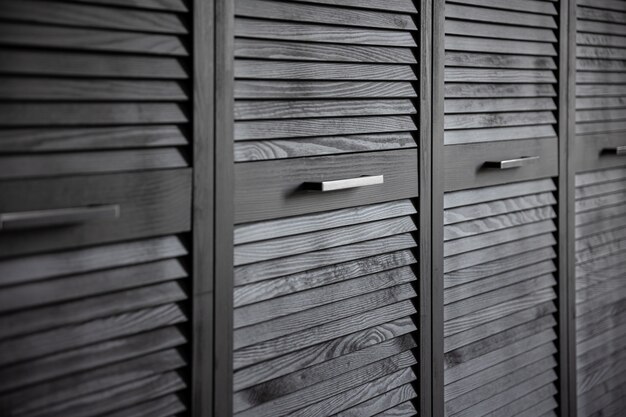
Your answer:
<point x="600" y="291"/>
<point x="499" y="332"/>
<point x="324" y="306"/>
<point x="271" y="189"/>
<point x="96" y="111"/>
<point x="324" y="78"/>
<point x="326" y="284"/>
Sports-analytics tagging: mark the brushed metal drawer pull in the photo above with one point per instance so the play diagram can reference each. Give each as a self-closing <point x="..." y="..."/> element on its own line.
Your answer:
<point x="512" y="163"/>
<point x="345" y="184"/>
<point x="618" y="150"/>
<point x="57" y="217"/>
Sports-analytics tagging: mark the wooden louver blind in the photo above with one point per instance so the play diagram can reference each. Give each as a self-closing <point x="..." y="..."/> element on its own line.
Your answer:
<point x="81" y="77"/>
<point x="499" y="324"/>
<point x="600" y="287"/>
<point x="323" y="313"/>
<point x="94" y="323"/>
<point x="601" y="69"/>
<point x="316" y="78"/>
<point x="499" y="70"/>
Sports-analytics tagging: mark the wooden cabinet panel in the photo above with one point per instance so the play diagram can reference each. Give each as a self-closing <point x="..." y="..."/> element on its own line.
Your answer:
<point x="94" y="330"/>
<point x="600" y="290"/>
<point x="95" y="196"/>
<point x="500" y="70"/>
<point x="325" y="283"/>
<point x="324" y="307"/>
<point x="483" y="164"/>
<point x="499" y="300"/>
<point x="272" y="189"/>
<point x="600" y="86"/>
<point x="141" y="205"/>
<point x="315" y="79"/>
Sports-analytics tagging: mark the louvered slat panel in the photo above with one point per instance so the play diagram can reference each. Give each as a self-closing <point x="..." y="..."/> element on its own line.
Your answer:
<point x="93" y="87"/>
<point x="323" y="319"/>
<point x="323" y="77"/>
<point x="95" y="330"/>
<point x="600" y="289"/>
<point x="600" y="83"/>
<point x="500" y="79"/>
<point x="499" y="292"/>
<point x="93" y="321"/>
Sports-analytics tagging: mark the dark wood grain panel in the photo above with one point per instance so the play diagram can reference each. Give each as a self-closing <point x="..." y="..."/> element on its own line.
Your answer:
<point x="258" y="231"/>
<point x="323" y="352"/>
<point x="141" y="198"/>
<point x="308" y="32"/>
<point x="287" y="50"/>
<point x="465" y="164"/>
<point x="68" y="14"/>
<point x="299" y="301"/>
<point x="257" y="150"/>
<point x="61" y="63"/>
<point x="498" y="299"/>
<point x="44" y="36"/>
<point x="89" y="357"/>
<point x="90" y="114"/>
<point x="322" y="275"/>
<point x="263" y="192"/>
<point x="92" y="138"/>
<point x="95" y="112"/>
<point x="308" y="242"/>
<point x="43" y="89"/>
<point x="326" y="389"/>
<point x="317" y="373"/>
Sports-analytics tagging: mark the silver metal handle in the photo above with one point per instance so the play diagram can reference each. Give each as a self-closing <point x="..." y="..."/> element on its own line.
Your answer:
<point x="512" y="163"/>
<point x="618" y="150"/>
<point x="334" y="185"/>
<point x="57" y="217"/>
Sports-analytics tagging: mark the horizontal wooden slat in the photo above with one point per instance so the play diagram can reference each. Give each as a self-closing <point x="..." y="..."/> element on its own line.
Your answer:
<point x="320" y="14"/>
<point x="38" y="62"/>
<point x="43" y="89"/>
<point x="286" y="50"/>
<point x="306" y="32"/>
<point x="43" y="36"/>
<point x="322" y="352"/>
<point x="69" y="14"/>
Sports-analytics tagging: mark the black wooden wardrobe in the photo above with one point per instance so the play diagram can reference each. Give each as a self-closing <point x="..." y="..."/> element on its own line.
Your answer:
<point x="265" y="208"/>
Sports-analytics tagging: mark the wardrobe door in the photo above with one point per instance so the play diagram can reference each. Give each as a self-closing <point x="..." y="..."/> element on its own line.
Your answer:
<point x="600" y="233"/>
<point x="326" y="184"/>
<point x="499" y="300"/>
<point x="500" y="208"/>
<point x="95" y="208"/>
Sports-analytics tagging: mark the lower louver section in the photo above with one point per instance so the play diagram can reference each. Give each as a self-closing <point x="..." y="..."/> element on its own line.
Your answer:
<point x="600" y="292"/>
<point x="95" y="331"/>
<point x="499" y="324"/>
<point x="324" y="314"/>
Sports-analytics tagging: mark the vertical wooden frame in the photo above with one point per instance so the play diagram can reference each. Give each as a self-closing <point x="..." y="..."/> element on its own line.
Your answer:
<point x="568" y="184"/>
<point x="202" y="210"/>
<point x="437" y="187"/>
<point x="425" y="223"/>
<point x="224" y="208"/>
<point x="563" y="232"/>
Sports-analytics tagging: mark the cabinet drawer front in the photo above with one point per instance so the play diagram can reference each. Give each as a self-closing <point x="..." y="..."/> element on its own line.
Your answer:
<point x="477" y="165"/>
<point x="110" y="208"/>
<point x="272" y="189"/>
<point x="603" y="151"/>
